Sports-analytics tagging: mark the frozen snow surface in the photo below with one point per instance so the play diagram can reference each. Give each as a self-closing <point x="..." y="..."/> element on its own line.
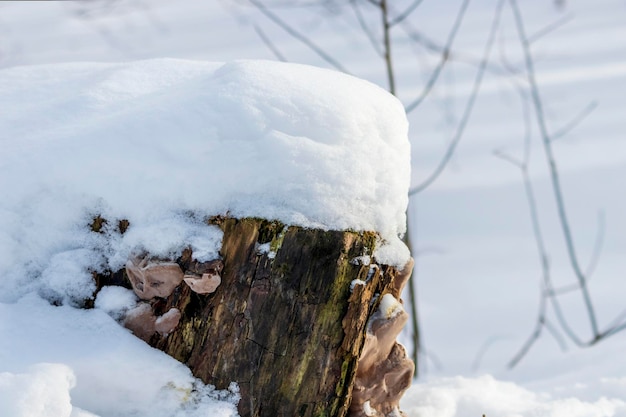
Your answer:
<point x="470" y="397"/>
<point x="62" y="361"/>
<point x="478" y="275"/>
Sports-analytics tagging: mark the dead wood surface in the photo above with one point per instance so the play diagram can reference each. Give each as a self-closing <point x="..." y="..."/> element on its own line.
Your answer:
<point x="284" y="326"/>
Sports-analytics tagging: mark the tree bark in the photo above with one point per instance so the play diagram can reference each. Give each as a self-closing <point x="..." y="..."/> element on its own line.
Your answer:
<point x="283" y="324"/>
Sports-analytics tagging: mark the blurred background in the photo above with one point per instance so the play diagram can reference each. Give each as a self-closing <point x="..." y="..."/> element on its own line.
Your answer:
<point x="517" y="125"/>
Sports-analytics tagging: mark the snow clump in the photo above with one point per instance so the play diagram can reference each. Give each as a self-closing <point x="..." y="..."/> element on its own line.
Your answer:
<point x="166" y="143"/>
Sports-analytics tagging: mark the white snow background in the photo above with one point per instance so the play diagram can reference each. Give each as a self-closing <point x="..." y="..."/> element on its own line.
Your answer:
<point x="478" y="274"/>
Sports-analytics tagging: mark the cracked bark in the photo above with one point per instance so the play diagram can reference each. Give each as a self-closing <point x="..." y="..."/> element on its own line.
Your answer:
<point x="287" y="329"/>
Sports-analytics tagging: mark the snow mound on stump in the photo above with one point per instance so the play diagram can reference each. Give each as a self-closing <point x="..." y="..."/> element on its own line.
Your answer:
<point x="164" y="142"/>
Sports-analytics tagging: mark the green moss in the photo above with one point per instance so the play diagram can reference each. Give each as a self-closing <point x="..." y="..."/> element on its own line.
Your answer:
<point x="282" y="269"/>
<point x="269" y="230"/>
<point x="277" y="240"/>
<point x="369" y="241"/>
<point x="341" y="385"/>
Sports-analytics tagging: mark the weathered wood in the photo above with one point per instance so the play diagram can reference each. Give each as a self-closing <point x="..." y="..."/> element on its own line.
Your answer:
<point x="283" y="324"/>
<point x="288" y="330"/>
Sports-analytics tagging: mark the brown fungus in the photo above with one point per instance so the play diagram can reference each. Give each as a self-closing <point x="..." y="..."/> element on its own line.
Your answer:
<point x="384" y="371"/>
<point x="208" y="282"/>
<point x="144" y="324"/>
<point x="153" y="279"/>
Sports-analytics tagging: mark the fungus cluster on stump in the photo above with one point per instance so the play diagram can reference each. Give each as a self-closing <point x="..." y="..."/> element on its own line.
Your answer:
<point x="286" y="325"/>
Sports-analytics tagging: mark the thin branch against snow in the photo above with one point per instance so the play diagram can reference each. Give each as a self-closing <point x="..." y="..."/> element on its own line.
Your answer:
<point x="442" y="62"/>
<point x="298" y="35"/>
<point x="406" y="13"/>
<point x="548" y="292"/>
<point x="460" y="129"/>
<point x="551" y="161"/>
<point x="547" y="289"/>
<point x="365" y="27"/>
<point x="268" y="42"/>
<point x="550" y="28"/>
<point x="575" y="121"/>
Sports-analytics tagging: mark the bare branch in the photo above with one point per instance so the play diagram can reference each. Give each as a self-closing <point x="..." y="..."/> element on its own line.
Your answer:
<point x="555" y="334"/>
<point x="444" y="58"/>
<point x="468" y="107"/>
<point x="299" y="36"/>
<point x="387" y="47"/>
<point x="547" y="290"/>
<point x="508" y="158"/>
<point x="406" y="13"/>
<point x="615" y="324"/>
<point x="534" y="336"/>
<point x="453" y="56"/>
<point x="550" y="28"/>
<point x="597" y="247"/>
<point x="572" y="124"/>
<point x="615" y="330"/>
<point x="368" y="32"/>
<point x="558" y="312"/>
<point x="554" y="175"/>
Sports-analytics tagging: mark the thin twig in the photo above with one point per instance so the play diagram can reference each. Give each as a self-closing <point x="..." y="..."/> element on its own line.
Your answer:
<point x="615" y="330"/>
<point x="444" y="58"/>
<point x="554" y="175"/>
<point x="406" y="13"/>
<point x="597" y="247"/>
<point x="534" y="336"/>
<point x="617" y="321"/>
<point x="468" y="107"/>
<point x="299" y="36"/>
<point x="550" y="28"/>
<point x="555" y="334"/>
<point x="572" y="124"/>
<point x="368" y="31"/>
<point x="593" y="260"/>
<point x="387" y="47"/>
<point x="508" y="158"/>
<point x="533" y="211"/>
<point x="453" y="56"/>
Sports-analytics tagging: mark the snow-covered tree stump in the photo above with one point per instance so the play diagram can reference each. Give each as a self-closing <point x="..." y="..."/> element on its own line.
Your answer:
<point x="287" y="322"/>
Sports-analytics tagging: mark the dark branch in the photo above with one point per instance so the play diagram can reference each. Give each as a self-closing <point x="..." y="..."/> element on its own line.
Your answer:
<point x="384" y="11"/>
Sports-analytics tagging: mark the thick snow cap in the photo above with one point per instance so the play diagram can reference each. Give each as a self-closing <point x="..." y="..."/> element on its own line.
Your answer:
<point x="155" y="141"/>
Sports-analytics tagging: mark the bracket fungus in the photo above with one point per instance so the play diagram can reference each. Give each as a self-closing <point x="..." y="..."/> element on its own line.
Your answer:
<point x="208" y="282"/>
<point x="144" y="323"/>
<point x="153" y="279"/>
<point x="384" y="371"/>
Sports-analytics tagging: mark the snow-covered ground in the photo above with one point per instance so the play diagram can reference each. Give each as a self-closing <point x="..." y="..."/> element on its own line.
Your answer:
<point x="478" y="272"/>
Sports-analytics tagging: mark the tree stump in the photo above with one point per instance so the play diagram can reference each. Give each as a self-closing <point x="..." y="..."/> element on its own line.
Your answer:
<point x="285" y="323"/>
